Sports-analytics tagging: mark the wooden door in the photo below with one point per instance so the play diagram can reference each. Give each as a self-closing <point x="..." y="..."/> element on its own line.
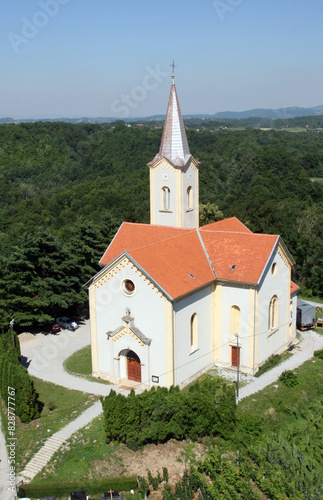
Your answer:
<point x="235" y="356"/>
<point x="134" y="368"/>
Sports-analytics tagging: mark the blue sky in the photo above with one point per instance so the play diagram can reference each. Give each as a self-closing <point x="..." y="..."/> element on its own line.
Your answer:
<point x="72" y="58"/>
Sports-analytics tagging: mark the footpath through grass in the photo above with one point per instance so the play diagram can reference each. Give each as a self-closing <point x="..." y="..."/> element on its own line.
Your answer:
<point x="80" y="364"/>
<point x="60" y="406"/>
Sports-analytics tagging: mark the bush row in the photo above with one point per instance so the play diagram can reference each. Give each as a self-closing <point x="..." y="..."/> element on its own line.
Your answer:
<point x="155" y="416"/>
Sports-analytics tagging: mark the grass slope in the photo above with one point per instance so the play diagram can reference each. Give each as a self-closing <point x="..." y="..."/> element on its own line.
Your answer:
<point x="61" y="406"/>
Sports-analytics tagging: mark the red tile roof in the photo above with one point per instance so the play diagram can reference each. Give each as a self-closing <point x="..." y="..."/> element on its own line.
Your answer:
<point x="231" y="224"/>
<point x="170" y="255"/>
<point x="293" y="287"/>
<point x="131" y="236"/>
<point x="179" y="264"/>
<point x="236" y="256"/>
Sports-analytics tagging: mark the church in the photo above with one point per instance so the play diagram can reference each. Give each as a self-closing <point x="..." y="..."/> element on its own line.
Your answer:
<point x="173" y="299"/>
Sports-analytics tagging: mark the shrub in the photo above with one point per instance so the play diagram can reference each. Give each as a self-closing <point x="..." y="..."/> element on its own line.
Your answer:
<point x="289" y="378"/>
<point x="319" y="353"/>
<point x="160" y="414"/>
<point x="272" y="361"/>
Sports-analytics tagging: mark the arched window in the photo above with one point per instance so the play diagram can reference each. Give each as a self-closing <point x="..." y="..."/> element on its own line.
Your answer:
<point x="235" y="320"/>
<point x="273" y="314"/>
<point x="165" y="198"/>
<point x="194" y="332"/>
<point x="189" y="195"/>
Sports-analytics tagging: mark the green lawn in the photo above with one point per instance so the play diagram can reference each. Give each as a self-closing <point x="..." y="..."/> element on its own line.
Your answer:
<point x="61" y="406"/>
<point x="80" y="364"/>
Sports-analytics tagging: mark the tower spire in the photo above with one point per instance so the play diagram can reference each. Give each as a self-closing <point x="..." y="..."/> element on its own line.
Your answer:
<point x="174" y="145"/>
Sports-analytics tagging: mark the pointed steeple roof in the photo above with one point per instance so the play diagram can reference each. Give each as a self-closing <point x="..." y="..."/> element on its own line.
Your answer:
<point x="174" y="145"/>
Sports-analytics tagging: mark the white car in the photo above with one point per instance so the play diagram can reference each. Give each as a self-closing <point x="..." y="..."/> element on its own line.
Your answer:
<point x="67" y="323"/>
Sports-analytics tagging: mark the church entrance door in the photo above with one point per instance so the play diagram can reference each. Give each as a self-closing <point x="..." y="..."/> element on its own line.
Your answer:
<point x="134" y="368"/>
<point x="235" y="356"/>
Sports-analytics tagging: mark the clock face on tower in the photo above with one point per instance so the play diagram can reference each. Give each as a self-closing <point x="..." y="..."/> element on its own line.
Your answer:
<point x="189" y="175"/>
<point x="165" y="177"/>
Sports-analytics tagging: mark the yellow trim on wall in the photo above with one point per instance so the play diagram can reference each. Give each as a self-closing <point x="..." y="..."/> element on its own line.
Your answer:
<point x="252" y="328"/>
<point x="179" y="199"/>
<point x="217" y="305"/>
<point x="257" y="330"/>
<point x="169" y="342"/>
<point x="197" y="200"/>
<point x="213" y="316"/>
<point x="93" y="328"/>
<point x="152" y="197"/>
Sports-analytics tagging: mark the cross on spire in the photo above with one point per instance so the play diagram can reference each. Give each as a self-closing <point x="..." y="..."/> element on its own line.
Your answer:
<point x="173" y="66"/>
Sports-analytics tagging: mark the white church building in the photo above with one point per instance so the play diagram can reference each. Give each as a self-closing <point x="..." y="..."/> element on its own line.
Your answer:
<point x="174" y="299"/>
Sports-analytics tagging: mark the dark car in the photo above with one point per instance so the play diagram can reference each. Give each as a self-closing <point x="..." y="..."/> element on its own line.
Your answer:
<point x="50" y="327"/>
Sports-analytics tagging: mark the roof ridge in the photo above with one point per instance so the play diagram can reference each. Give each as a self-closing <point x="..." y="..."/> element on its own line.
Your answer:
<point x="237" y="232"/>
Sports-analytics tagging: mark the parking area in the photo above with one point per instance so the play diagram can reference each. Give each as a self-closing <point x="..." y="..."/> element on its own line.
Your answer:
<point x="44" y="354"/>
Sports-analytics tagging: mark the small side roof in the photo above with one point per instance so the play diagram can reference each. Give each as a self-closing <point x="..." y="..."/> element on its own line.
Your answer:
<point x="293" y="288"/>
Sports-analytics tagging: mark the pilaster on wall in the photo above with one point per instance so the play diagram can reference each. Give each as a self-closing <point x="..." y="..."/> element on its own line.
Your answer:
<point x="197" y="200"/>
<point x="93" y="327"/>
<point x="169" y="333"/>
<point x="152" y="197"/>
<point x="253" y="337"/>
<point x="179" y="199"/>
<point x="216" y="317"/>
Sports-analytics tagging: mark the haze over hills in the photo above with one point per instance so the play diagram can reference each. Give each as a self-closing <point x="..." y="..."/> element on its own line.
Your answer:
<point x="271" y="114"/>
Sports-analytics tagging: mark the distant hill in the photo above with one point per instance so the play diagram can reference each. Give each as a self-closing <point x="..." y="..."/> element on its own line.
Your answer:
<point x="271" y="114"/>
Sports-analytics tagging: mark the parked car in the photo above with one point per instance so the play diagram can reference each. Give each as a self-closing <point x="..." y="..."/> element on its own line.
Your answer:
<point x="67" y="323"/>
<point x="50" y="327"/>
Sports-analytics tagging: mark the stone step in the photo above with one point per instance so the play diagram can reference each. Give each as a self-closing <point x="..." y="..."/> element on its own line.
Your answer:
<point x="36" y="461"/>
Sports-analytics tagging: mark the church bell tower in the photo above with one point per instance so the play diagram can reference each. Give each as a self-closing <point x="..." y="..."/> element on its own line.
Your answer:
<point x="174" y="175"/>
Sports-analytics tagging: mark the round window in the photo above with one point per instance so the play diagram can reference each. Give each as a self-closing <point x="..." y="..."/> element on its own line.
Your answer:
<point x="128" y="287"/>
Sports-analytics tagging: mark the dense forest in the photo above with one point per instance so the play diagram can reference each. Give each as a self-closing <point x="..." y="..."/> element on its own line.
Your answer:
<point x="66" y="188"/>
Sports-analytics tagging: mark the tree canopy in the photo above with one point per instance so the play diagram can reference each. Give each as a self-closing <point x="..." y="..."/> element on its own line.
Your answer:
<point x="66" y="188"/>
